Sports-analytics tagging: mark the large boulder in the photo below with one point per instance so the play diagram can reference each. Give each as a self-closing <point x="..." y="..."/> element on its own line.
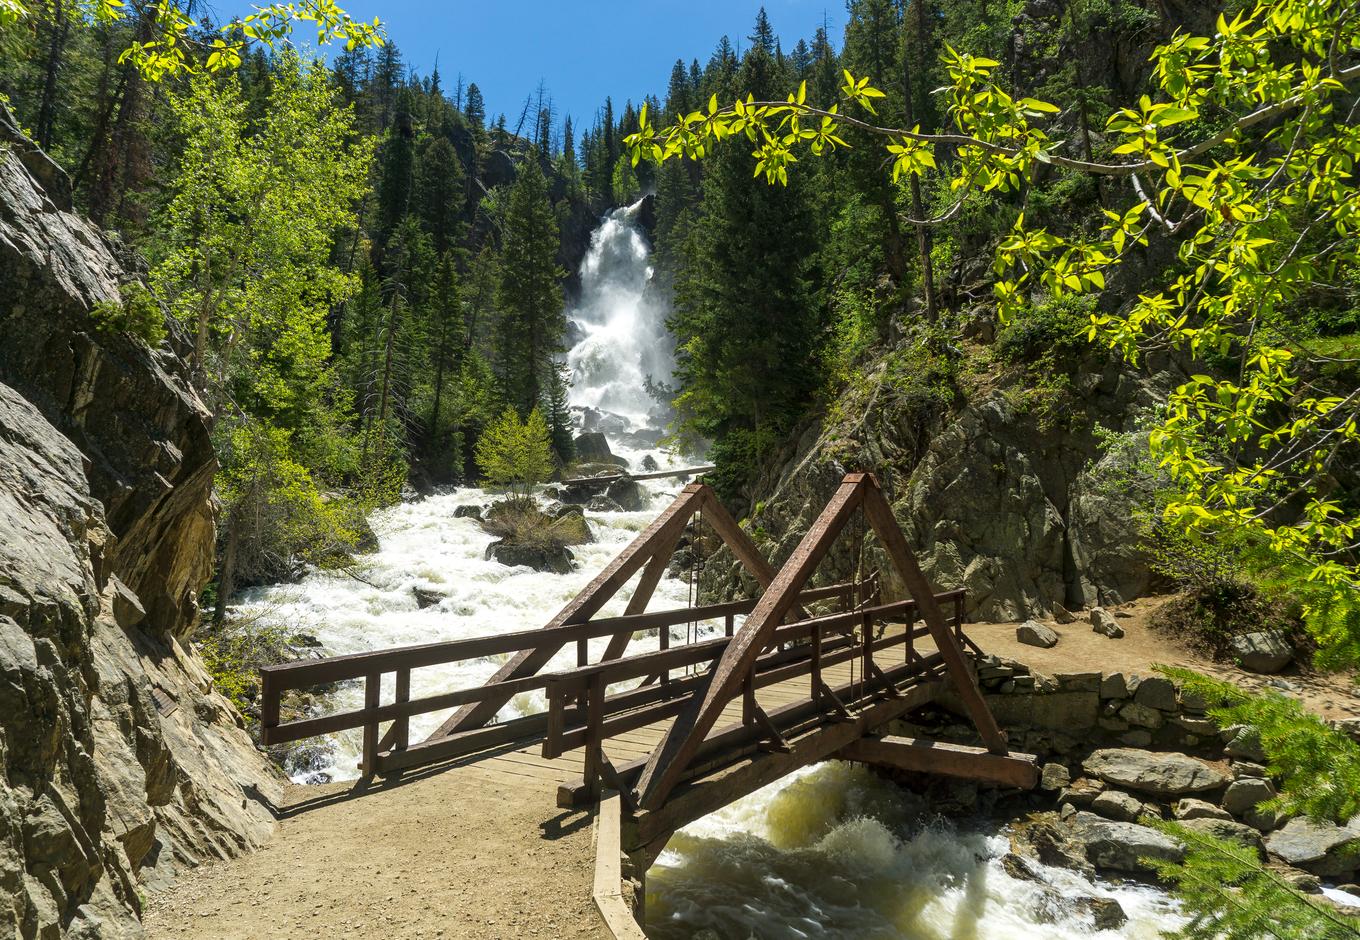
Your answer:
<point x="1034" y="633"/>
<point x="557" y="559"/>
<point x="1161" y="775"/>
<point x="1227" y="830"/>
<point x="1322" y="848"/>
<point x="1122" y="846"/>
<point x="1265" y="651"/>
<point x="593" y="448"/>
<point x="627" y="494"/>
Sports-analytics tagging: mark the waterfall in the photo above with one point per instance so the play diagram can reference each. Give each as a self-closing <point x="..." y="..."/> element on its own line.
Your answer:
<point x="619" y="326"/>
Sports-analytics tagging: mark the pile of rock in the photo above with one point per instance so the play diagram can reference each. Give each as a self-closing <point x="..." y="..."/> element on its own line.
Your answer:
<point x="1121" y="750"/>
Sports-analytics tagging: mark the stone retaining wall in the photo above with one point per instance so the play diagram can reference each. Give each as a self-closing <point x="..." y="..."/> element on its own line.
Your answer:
<point x="1119" y="750"/>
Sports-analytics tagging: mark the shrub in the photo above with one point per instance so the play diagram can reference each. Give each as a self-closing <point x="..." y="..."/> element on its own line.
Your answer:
<point x="135" y="312"/>
<point x="516" y="454"/>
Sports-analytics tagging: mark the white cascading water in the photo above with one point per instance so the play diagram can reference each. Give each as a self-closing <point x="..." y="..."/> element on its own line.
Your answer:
<point x="831" y="851"/>
<point x="623" y="320"/>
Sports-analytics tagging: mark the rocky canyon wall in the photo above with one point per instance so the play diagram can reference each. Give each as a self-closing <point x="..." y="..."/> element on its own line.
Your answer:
<point x="122" y="766"/>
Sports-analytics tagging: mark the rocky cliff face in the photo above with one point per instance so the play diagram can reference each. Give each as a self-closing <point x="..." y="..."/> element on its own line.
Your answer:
<point x="121" y="764"/>
<point x="1021" y="509"/>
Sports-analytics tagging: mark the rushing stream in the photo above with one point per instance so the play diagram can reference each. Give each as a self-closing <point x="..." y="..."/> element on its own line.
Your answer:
<point x="832" y="851"/>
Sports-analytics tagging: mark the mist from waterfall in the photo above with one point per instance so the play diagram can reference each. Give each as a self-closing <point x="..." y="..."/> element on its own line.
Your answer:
<point x="619" y="320"/>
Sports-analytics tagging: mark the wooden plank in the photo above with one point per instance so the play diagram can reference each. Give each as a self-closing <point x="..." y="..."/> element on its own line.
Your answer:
<point x="889" y="533"/>
<point x="607" y="888"/>
<point x="684" y="737"/>
<point x="594" y="596"/>
<point x="950" y="760"/>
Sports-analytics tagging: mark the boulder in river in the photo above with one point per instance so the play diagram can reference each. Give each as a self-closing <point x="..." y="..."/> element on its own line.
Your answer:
<point x="1105" y="913"/>
<point x="1321" y="848"/>
<point x="593" y="448"/>
<point x="628" y="495"/>
<point x="1122" y="846"/>
<point x="427" y="597"/>
<point x="1156" y="774"/>
<point x="467" y="512"/>
<point x="1226" y="829"/>
<point x="557" y="559"/>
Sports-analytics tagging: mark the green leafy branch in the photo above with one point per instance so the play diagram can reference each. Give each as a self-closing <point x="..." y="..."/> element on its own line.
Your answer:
<point x="173" y="47"/>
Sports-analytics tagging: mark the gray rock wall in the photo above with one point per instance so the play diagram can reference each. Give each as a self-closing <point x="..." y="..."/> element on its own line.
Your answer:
<point x="121" y="765"/>
<point x="994" y="498"/>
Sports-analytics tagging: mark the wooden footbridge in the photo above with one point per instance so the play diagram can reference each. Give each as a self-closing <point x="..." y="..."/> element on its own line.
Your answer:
<point x="810" y="673"/>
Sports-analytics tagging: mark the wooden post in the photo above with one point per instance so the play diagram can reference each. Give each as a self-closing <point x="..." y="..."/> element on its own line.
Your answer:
<point x="372" y="692"/>
<point x="867" y="650"/>
<point x="594" y="734"/>
<point x="402" y="724"/>
<point x="269" y="700"/>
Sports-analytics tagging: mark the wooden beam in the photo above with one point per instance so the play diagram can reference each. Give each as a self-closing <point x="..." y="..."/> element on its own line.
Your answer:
<point x="950" y="760"/>
<point x="649" y="475"/>
<point x="696" y="798"/>
<point x="595" y="595"/>
<point x="885" y="526"/>
<point x="684" y="737"/>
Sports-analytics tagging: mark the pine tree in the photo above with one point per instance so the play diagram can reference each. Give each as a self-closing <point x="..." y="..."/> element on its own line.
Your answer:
<point x="447" y="349"/>
<point x="531" y="317"/>
<point x="475" y="112"/>
<point x="440" y="192"/>
<point x="557" y="412"/>
<point x="763" y="35"/>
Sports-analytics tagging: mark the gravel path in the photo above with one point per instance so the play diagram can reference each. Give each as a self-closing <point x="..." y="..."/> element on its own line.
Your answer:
<point x="465" y="852"/>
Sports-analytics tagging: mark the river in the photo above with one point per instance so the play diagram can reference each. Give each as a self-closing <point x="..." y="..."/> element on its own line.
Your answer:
<point x="832" y="851"/>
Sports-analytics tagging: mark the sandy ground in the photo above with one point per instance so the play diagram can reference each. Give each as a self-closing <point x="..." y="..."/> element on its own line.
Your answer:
<point x="1082" y="650"/>
<point x="460" y="853"/>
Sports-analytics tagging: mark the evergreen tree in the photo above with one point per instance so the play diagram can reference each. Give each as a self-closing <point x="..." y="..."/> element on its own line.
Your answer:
<point x="763" y="36"/>
<point x="531" y="317"/>
<point x="746" y="320"/>
<point x="440" y="192"/>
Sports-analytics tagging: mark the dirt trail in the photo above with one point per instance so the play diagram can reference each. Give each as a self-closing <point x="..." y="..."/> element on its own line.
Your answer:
<point x="465" y="852"/>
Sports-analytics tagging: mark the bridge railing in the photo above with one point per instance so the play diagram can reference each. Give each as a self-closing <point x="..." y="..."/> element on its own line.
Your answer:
<point x="393" y="749"/>
<point x="582" y="715"/>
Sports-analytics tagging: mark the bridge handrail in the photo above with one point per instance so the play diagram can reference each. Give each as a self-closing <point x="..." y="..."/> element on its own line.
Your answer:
<point x="371" y="666"/>
<point x="597" y="716"/>
<point x="306" y="673"/>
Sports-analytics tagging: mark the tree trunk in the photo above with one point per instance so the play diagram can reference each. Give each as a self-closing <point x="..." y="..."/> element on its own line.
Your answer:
<point x="56" y="48"/>
<point x="917" y="206"/>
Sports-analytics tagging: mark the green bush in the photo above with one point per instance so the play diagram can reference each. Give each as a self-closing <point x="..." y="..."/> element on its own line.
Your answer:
<point x="1046" y="332"/>
<point x="135" y="312"/>
<point x="516" y="454"/>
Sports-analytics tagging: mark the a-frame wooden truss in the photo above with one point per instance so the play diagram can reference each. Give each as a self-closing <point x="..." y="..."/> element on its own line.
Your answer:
<point x="670" y="761"/>
<point x="651" y="552"/>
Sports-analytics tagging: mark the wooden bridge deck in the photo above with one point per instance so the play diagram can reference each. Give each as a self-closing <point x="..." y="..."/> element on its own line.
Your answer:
<point x="525" y="758"/>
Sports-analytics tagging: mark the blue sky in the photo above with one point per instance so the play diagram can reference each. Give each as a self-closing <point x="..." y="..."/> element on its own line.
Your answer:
<point x="582" y="50"/>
